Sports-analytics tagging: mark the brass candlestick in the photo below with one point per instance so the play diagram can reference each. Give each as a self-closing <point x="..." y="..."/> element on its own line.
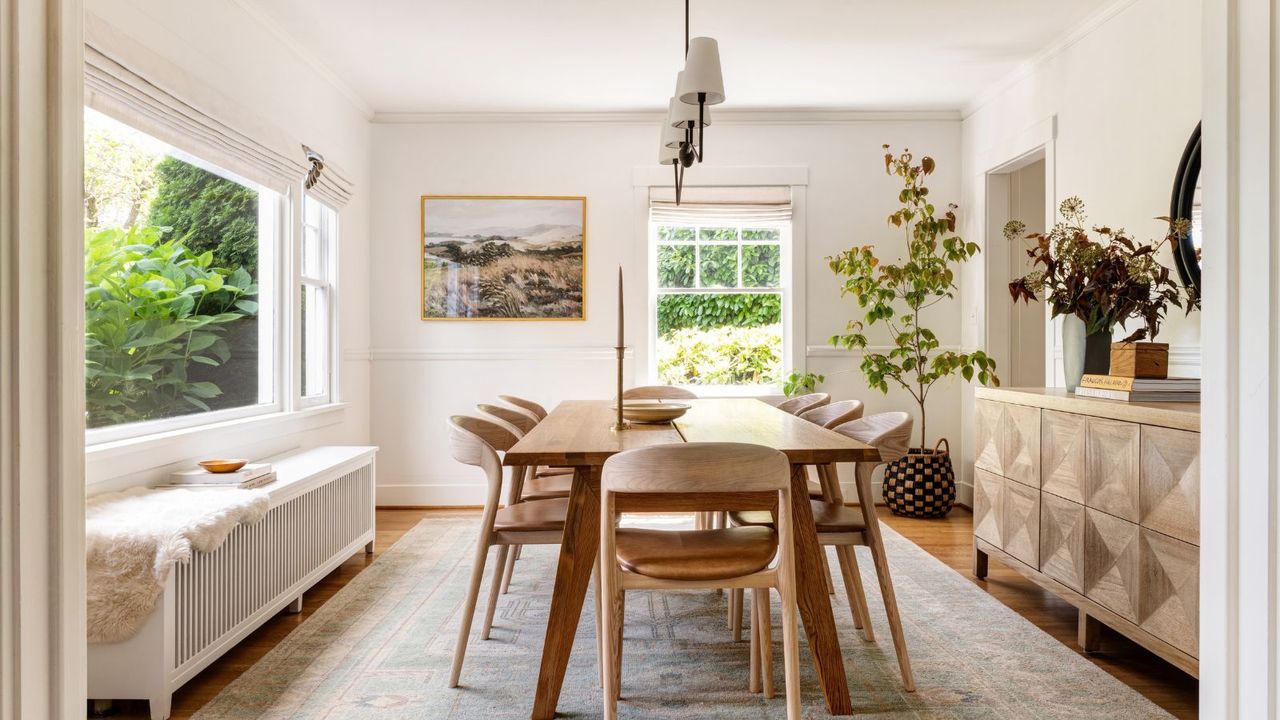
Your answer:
<point x="621" y="423"/>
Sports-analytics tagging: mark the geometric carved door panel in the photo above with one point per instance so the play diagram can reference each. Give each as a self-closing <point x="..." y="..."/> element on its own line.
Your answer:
<point x="1020" y="522"/>
<point x="1111" y="473"/>
<point x="1111" y="563"/>
<point x="1170" y="599"/>
<point x="1008" y="441"/>
<point x="1063" y="437"/>
<point x="1062" y="541"/>
<point x="1169" y="490"/>
<point x="988" y="503"/>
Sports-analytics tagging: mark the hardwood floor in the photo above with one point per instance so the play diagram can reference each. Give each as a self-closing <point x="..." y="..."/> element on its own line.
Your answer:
<point x="949" y="540"/>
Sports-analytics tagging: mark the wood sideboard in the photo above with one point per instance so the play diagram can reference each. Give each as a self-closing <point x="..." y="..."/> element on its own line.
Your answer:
<point x="1098" y="502"/>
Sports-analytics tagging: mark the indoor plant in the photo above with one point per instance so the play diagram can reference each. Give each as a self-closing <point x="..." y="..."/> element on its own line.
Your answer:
<point x="1097" y="282"/>
<point x="894" y="295"/>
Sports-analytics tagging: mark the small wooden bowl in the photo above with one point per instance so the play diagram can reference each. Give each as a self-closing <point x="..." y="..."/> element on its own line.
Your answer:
<point x="652" y="411"/>
<point x="223" y="466"/>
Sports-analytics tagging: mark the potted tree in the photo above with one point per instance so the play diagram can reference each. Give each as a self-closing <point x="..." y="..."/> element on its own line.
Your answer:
<point x="1096" y="283"/>
<point x="921" y="483"/>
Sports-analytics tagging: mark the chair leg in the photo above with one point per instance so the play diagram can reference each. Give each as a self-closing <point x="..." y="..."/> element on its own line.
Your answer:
<point x="736" y="599"/>
<point x="762" y="625"/>
<point x="600" y="643"/>
<point x="891" y="609"/>
<point x="790" y="645"/>
<point x="610" y="640"/>
<point x="620" y="612"/>
<point x="853" y="588"/>
<point x="826" y="573"/>
<point x="753" y="685"/>
<point x="508" y="568"/>
<point x="469" y="607"/>
<point x="504" y="552"/>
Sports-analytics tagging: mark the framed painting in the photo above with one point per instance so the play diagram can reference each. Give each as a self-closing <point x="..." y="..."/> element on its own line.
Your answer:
<point x="503" y="257"/>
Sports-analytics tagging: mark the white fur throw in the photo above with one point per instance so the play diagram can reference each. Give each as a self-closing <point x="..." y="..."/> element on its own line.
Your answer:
<point x="134" y="537"/>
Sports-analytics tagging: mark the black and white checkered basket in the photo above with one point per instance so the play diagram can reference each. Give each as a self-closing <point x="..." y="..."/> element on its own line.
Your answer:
<point x="922" y="483"/>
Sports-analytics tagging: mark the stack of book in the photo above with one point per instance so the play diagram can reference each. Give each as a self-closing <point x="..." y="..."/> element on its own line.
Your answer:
<point x="250" y="476"/>
<point x="1114" y="387"/>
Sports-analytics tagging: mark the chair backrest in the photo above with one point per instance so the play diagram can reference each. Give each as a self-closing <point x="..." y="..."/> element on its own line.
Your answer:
<point x="538" y="411"/>
<point x="803" y="403"/>
<point x="520" y="419"/>
<point x="657" y="392"/>
<point x="888" y="432"/>
<point x="697" y="468"/>
<point x="471" y="443"/>
<point x="836" y="413"/>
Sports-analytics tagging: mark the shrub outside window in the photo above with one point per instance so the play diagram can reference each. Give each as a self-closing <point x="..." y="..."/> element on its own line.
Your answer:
<point x="179" y="281"/>
<point x="719" y="303"/>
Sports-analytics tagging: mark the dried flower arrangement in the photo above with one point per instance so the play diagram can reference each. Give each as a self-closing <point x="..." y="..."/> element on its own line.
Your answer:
<point x="1103" y="281"/>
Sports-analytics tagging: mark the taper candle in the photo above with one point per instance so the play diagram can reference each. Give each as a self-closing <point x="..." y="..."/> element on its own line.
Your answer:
<point x="620" y="314"/>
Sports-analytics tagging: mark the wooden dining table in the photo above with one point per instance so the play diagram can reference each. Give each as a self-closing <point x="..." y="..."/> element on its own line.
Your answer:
<point x="578" y="434"/>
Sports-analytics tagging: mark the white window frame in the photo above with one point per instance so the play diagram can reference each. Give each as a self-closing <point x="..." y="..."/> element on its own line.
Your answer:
<point x="325" y="282"/>
<point x="783" y="289"/>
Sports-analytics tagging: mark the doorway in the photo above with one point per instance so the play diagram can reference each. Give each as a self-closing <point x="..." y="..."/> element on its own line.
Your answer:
<point x="1016" y="333"/>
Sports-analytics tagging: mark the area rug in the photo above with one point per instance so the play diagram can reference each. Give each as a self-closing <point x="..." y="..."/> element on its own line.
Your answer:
<point x="381" y="649"/>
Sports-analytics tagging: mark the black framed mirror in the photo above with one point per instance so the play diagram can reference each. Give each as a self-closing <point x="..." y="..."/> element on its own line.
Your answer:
<point x="1186" y="204"/>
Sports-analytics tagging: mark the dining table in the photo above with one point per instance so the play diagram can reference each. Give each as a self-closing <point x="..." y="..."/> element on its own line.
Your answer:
<point x="579" y="434"/>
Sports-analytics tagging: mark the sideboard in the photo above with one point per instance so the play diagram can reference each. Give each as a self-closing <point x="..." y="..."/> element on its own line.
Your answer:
<point x="1098" y="502"/>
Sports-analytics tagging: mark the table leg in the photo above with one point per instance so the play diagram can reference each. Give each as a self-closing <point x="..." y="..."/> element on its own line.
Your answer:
<point x="813" y="601"/>
<point x="578" y="549"/>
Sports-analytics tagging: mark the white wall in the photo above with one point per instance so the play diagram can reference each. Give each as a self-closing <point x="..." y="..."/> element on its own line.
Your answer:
<point x="1117" y="101"/>
<point x="228" y="48"/>
<point x="425" y="371"/>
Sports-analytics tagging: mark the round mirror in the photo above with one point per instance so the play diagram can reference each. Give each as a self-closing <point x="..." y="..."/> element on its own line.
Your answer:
<point x="1186" y="204"/>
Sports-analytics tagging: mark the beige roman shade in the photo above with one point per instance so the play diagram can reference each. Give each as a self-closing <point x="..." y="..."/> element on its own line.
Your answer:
<point x="731" y="204"/>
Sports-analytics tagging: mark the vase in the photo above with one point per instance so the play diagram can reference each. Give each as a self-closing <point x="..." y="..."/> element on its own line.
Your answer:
<point x="1083" y="351"/>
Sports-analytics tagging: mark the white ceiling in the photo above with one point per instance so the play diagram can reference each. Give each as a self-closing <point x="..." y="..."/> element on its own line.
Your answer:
<point x="597" y="55"/>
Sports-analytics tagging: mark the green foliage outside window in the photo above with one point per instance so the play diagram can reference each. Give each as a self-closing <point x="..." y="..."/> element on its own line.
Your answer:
<point x="719" y="266"/>
<point x="154" y="310"/>
<point x="676" y="266"/>
<point x="721" y="356"/>
<point x="710" y="311"/>
<point x="667" y="233"/>
<point x="761" y="266"/>
<point x="727" y="234"/>
<point x="210" y="212"/>
<point x="761" y="235"/>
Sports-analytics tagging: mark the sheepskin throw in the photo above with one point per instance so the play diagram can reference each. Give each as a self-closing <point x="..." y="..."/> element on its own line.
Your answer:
<point x="134" y="537"/>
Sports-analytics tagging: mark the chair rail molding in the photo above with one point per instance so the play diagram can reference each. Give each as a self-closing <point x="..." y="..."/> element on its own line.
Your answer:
<point x="42" y="561"/>
<point x="496" y="354"/>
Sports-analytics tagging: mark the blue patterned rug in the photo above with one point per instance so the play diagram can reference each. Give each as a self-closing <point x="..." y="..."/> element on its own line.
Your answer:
<point x="381" y="649"/>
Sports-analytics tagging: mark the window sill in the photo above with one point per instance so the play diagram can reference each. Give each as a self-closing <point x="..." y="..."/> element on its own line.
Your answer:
<point x="762" y="392"/>
<point x="117" y="458"/>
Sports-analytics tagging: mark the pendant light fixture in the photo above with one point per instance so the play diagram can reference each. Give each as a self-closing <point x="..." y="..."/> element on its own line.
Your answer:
<point x="698" y="86"/>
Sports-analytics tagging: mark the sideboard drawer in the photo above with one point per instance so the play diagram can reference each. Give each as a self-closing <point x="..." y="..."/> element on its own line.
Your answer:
<point x="1111" y="472"/>
<point x="1020" y="522"/>
<point x="988" y="504"/>
<point x="1062" y="541"/>
<point x="1111" y="576"/>
<point x="1063" y="439"/>
<point x="1169" y="487"/>
<point x="1008" y="441"/>
<point x="1169" y="606"/>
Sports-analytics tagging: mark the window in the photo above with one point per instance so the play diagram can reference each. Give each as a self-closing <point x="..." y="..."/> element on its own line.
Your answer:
<point x="180" y="282"/>
<point x="319" y="246"/>
<point x="720" y="297"/>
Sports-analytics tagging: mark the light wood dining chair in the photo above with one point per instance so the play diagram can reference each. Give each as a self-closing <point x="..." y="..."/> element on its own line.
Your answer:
<point x="539" y="412"/>
<point x="657" y="392"/>
<point x="475" y="441"/>
<point x="832" y="414"/>
<point x="843" y="527"/>
<point x="803" y="403"/>
<point x="707" y="477"/>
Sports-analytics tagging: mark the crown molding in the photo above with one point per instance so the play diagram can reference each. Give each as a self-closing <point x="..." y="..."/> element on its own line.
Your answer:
<point x="1074" y="35"/>
<point x="793" y="116"/>
<point x="310" y="59"/>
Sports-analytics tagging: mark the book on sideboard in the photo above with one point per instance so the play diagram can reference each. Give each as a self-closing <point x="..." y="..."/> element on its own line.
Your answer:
<point x="1112" y="387"/>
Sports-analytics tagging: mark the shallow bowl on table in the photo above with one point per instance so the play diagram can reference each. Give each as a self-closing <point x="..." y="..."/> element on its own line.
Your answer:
<point x="652" y="411"/>
<point x="227" y="465"/>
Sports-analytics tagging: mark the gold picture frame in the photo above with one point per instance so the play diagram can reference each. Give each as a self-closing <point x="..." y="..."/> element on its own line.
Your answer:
<point x="532" y="244"/>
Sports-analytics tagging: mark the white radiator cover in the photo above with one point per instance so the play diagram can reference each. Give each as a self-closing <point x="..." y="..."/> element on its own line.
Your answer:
<point x="322" y="510"/>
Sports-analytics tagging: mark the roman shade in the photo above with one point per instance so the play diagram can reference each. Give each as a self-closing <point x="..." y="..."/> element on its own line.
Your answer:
<point x="133" y="84"/>
<point x="728" y="204"/>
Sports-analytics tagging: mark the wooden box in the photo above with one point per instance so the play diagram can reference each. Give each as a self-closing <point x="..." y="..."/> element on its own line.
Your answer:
<point x="1140" y="360"/>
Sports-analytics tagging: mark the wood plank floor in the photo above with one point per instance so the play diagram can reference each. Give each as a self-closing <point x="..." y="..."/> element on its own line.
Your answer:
<point x="949" y="540"/>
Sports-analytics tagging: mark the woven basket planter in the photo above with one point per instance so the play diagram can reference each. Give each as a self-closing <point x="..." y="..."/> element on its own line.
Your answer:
<point x="922" y="483"/>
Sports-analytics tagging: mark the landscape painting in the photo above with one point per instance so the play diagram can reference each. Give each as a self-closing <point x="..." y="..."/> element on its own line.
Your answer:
<point x="503" y="258"/>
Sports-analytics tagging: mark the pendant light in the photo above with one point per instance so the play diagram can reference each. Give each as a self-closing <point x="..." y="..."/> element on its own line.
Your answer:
<point x="698" y="86"/>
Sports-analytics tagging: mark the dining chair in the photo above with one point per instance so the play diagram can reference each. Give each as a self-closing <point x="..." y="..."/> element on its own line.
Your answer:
<point x="803" y="403"/>
<point x="843" y="527"/>
<point x="658" y="392"/>
<point x="699" y="476"/>
<point x="832" y="414"/>
<point x="477" y="442"/>
<point x="539" y="412"/>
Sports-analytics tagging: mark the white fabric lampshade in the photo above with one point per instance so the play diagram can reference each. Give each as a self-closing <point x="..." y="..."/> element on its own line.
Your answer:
<point x="701" y="73"/>
<point x="680" y="114"/>
<point x="673" y="131"/>
<point x="669" y="141"/>
<point x="666" y="155"/>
